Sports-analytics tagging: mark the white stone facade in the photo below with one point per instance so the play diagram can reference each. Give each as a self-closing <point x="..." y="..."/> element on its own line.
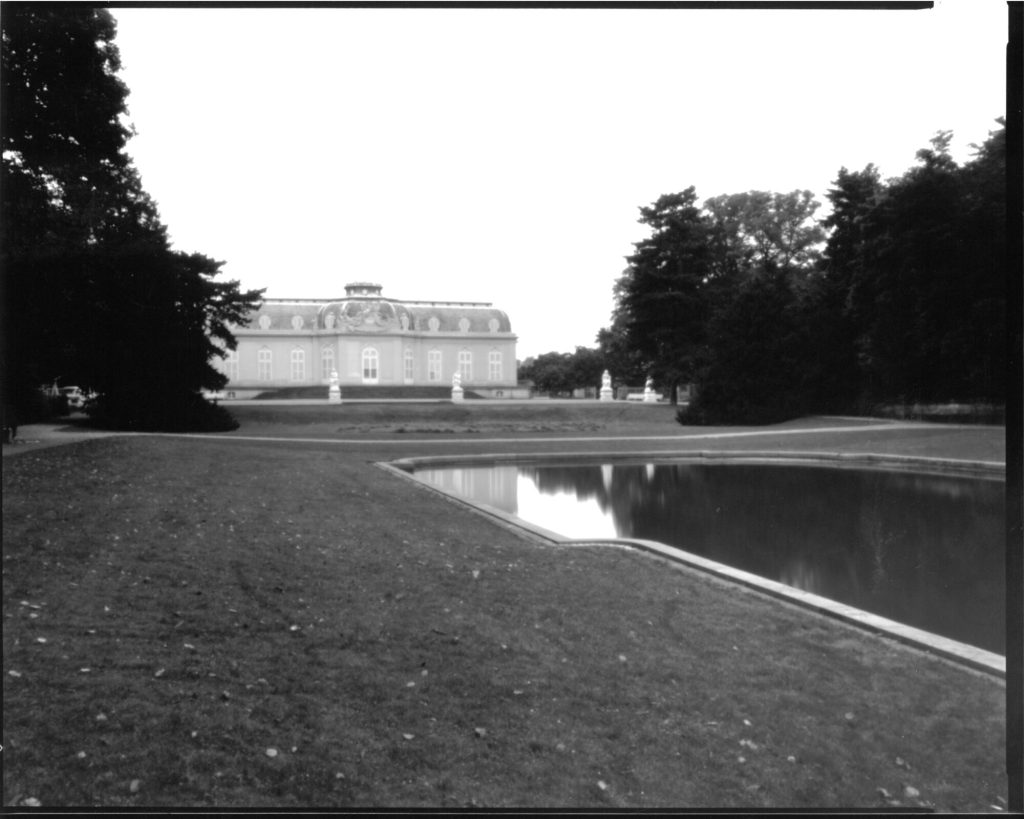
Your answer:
<point x="369" y="340"/>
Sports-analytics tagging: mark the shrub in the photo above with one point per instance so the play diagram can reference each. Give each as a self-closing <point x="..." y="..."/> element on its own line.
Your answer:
<point x="152" y="411"/>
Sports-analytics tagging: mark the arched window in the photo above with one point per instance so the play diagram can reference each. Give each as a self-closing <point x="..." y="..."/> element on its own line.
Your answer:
<point x="371" y="366"/>
<point x="494" y="365"/>
<point x="465" y="365"/>
<point x="408" y="365"/>
<point x="326" y="362"/>
<point x="264" y="365"/>
<point x="434" y="365"/>
<point x="298" y="365"/>
<point x="231" y="365"/>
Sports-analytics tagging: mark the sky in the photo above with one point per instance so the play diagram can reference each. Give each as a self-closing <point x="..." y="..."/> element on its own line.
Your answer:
<point x="502" y="155"/>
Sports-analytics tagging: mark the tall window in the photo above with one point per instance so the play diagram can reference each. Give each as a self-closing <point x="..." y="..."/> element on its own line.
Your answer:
<point x="371" y="366"/>
<point x="494" y="366"/>
<point x="465" y="365"/>
<point x="298" y="365"/>
<point x="408" y="366"/>
<point x="231" y="365"/>
<point x="434" y="365"/>
<point x="326" y="362"/>
<point x="264" y="370"/>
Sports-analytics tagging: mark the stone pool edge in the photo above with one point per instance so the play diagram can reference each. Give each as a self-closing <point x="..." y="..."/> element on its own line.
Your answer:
<point x="962" y="653"/>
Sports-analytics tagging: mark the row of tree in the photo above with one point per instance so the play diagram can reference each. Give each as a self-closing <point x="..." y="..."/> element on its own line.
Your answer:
<point x="898" y="296"/>
<point x="560" y="373"/>
<point x="92" y="291"/>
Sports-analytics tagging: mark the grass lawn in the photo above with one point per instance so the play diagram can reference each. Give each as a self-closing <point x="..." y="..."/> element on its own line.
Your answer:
<point x="195" y="622"/>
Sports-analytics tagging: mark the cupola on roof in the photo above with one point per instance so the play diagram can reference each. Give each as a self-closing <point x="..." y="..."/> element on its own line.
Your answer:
<point x="370" y="289"/>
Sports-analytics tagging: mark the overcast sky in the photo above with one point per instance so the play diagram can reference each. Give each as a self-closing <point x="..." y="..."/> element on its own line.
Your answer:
<point x="502" y="155"/>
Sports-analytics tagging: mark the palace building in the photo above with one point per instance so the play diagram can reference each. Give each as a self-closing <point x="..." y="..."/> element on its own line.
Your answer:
<point x="368" y="339"/>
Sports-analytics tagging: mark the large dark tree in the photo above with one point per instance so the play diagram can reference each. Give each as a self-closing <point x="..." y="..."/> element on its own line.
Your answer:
<point x="758" y="229"/>
<point x="68" y="181"/>
<point x="764" y="249"/>
<point x="907" y="303"/>
<point x="93" y="294"/>
<point x="664" y="298"/>
<point x="831" y="371"/>
<point x="980" y="341"/>
<point x="927" y="289"/>
<point x="754" y="372"/>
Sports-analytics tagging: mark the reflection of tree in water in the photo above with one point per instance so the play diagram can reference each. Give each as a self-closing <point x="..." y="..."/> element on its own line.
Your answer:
<point x="632" y="488"/>
<point x="876" y="539"/>
<point x="921" y="549"/>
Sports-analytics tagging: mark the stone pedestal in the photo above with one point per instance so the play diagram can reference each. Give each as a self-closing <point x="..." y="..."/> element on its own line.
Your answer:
<point x="334" y="394"/>
<point x="606" y="394"/>
<point x="457" y="393"/>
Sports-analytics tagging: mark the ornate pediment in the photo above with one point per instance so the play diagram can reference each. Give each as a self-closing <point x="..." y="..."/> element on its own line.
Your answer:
<point x="367" y="317"/>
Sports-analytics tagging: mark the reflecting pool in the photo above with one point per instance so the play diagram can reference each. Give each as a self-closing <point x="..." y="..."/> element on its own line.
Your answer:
<point x="921" y="549"/>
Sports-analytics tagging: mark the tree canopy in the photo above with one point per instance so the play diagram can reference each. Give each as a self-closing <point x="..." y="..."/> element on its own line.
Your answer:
<point x="899" y="295"/>
<point x="758" y="229"/>
<point x="556" y="372"/>
<point x="663" y="298"/>
<point x="925" y="276"/>
<point x="93" y="293"/>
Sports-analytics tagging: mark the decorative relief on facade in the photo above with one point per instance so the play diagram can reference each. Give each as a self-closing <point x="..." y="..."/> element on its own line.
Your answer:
<point x="405" y="321"/>
<point x="264" y="322"/>
<point x="463" y="325"/>
<point x="329" y="321"/>
<point x="493" y="325"/>
<point x="434" y="324"/>
<point x="297" y="322"/>
<point x="368" y="317"/>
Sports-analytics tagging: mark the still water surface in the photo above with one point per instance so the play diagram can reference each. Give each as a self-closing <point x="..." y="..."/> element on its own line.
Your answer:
<point x="924" y="550"/>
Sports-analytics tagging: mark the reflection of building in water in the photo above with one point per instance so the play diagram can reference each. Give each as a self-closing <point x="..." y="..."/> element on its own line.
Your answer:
<point x="492" y="485"/>
<point x="369" y="339"/>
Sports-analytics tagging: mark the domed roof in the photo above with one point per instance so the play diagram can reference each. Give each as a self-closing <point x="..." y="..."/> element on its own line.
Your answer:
<point x="365" y="310"/>
<point x="284" y="314"/>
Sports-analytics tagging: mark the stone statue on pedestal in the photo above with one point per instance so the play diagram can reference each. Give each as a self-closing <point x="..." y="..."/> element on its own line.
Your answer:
<point x="606" y="386"/>
<point x="650" y="395"/>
